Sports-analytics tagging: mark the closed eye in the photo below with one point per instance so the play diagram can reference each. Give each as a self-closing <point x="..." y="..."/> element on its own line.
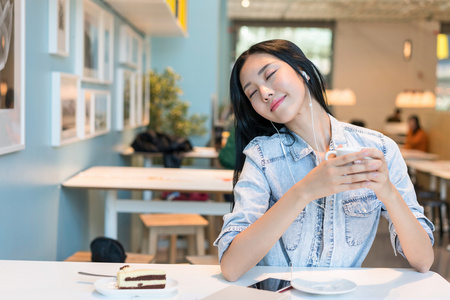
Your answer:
<point x="251" y="95"/>
<point x="270" y="75"/>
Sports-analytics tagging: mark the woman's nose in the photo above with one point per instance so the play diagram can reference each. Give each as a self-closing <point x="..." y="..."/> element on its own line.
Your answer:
<point x="266" y="93"/>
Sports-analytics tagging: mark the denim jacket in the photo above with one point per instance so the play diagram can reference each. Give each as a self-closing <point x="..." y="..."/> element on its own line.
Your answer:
<point x="335" y="231"/>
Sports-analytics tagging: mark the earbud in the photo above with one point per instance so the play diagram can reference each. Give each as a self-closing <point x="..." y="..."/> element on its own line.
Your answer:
<point x="305" y="75"/>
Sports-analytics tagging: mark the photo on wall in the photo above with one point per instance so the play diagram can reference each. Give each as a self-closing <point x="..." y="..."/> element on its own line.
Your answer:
<point x="65" y="108"/>
<point x="58" y="27"/>
<point x="97" y="112"/>
<point x="69" y="94"/>
<point x="12" y="76"/>
<point x="101" y="123"/>
<point x="91" y="44"/>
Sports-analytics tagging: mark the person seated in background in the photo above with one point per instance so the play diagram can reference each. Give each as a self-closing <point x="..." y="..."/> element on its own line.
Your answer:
<point x="416" y="137"/>
<point x="359" y="123"/>
<point x="396" y="117"/>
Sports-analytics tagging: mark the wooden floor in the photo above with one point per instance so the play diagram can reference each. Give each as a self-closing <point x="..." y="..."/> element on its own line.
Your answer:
<point x="382" y="255"/>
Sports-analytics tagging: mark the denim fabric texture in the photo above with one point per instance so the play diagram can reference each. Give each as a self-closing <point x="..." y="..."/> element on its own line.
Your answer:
<point x="338" y="230"/>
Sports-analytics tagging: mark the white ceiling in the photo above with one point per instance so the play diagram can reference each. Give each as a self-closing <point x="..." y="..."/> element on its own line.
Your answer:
<point x="330" y="10"/>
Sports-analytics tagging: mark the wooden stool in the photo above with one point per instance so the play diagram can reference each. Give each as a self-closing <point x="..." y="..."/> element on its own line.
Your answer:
<point x="132" y="258"/>
<point x="174" y="225"/>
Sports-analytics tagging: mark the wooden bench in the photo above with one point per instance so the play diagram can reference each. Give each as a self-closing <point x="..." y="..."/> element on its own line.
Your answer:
<point x="132" y="258"/>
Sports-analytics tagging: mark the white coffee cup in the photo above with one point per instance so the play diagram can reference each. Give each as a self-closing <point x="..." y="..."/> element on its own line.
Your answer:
<point x="343" y="151"/>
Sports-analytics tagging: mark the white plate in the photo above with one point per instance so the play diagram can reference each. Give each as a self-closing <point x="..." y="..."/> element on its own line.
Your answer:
<point x="108" y="287"/>
<point x="325" y="286"/>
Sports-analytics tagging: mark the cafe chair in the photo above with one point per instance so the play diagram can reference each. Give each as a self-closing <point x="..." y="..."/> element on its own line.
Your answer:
<point x="174" y="225"/>
<point x="132" y="258"/>
<point x="431" y="201"/>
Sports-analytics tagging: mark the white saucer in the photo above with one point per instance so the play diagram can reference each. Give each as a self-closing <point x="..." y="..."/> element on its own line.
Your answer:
<point x="325" y="286"/>
<point x="108" y="287"/>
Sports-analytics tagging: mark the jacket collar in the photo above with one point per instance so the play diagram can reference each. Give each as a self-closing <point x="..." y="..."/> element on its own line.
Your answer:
<point x="300" y="148"/>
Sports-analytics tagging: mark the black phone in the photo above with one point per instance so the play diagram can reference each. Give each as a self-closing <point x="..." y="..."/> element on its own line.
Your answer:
<point x="271" y="284"/>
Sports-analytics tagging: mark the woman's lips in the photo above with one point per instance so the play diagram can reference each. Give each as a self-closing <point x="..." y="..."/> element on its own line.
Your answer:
<point x="274" y="105"/>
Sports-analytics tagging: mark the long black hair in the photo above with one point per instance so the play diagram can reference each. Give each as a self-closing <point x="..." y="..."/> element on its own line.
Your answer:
<point x="416" y="120"/>
<point x="249" y="124"/>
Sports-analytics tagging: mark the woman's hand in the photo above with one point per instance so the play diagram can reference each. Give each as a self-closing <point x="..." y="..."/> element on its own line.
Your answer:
<point x="348" y="172"/>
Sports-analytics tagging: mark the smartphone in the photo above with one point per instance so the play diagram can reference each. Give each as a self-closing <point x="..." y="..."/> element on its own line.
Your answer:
<point x="272" y="284"/>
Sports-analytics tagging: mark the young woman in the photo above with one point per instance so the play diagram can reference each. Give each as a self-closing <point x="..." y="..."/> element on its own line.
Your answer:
<point x="416" y="137"/>
<point x="291" y="205"/>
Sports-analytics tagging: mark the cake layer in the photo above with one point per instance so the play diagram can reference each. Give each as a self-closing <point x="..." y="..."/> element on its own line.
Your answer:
<point x="153" y="284"/>
<point x="128" y="278"/>
<point x="145" y="277"/>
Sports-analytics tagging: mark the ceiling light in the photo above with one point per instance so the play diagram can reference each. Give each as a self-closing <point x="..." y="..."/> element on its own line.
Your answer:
<point x="245" y="3"/>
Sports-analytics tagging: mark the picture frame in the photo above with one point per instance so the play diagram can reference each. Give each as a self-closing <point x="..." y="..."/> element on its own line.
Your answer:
<point x="95" y="57"/>
<point x="66" y="107"/>
<point x="107" y="65"/>
<point x="12" y="78"/>
<point x="97" y="113"/>
<point x="126" y="100"/>
<point x="58" y="26"/>
<point x="130" y="48"/>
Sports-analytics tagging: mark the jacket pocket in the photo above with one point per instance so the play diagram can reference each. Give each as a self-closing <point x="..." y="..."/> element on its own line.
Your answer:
<point x="291" y="238"/>
<point x="361" y="212"/>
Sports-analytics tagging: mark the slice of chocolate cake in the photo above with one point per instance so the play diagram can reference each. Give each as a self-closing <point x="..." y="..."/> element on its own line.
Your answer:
<point x="128" y="278"/>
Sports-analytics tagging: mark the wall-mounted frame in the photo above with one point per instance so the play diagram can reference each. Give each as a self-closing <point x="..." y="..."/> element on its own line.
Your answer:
<point x="133" y="102"/>
<point x="65" y="108"/>
<point x="58" y="27"/>
<point x="96" y="44"/>
<point x="12" y="77"/>
<point x="97" y="113"/>
<point x="126" y="99"/>
<point x="130" y="48"/>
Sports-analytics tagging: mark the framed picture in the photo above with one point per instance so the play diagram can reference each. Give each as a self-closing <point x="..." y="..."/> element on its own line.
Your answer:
<point x="12" y="76"/>
<point x="107" y="65"/>
<point x="95" y="53"/>
<point x="65" y="108"/>
<point x="97" y="114"/>
<point x="91" y="44"/>
<point x="126" y="99"/>
<point x="58" y="27"/>
<point x="130" y="48"/>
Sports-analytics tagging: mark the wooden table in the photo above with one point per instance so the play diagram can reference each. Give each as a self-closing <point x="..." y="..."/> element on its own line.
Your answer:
<point x="410" y="154"/>
<point x="39" y="280"/>
<point x="197" y="152"/>
<point x="428" y="167"/>
<point x="112" y="179"/>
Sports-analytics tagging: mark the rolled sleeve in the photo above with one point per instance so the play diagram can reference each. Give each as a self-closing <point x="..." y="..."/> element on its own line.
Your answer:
<point x="400" y="178"/>
<point x="251" y="195"/>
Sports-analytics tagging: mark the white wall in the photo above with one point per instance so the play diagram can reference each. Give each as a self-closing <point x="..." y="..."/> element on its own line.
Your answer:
<point x="368" y="58"/>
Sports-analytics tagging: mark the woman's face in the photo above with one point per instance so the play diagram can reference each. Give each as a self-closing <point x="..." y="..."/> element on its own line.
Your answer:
<point x="276" y="92"/>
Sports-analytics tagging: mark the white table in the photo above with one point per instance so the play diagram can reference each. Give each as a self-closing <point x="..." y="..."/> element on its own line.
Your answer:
<point x="60" y="280"/>
<point x="113" y="179"/>
<point x="197" y="152"/>
<point x="411" y="154"/>
<point x="429" y="166"/>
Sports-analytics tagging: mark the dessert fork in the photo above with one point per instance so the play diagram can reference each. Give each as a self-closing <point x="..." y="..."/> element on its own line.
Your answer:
<point x="93" y="274"/>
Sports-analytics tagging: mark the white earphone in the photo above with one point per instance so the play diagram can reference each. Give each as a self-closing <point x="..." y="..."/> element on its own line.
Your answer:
<point x="305" y="75"/>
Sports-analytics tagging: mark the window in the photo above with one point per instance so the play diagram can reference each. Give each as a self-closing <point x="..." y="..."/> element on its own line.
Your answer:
<point x="315" y="40"/>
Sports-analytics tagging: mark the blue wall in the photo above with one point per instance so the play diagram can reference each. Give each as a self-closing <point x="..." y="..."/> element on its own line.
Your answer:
<point x="39" y="220"/>
<point x="195" y="58"/>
